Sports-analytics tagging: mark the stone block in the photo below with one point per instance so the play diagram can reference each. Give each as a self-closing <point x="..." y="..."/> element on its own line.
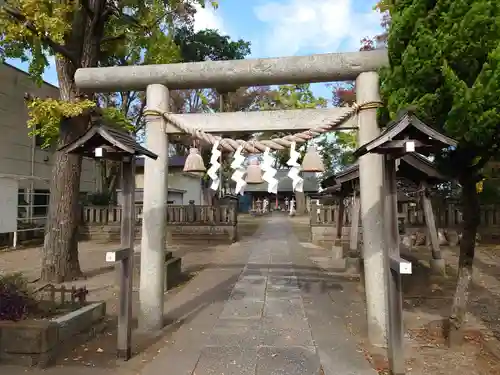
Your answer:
<point x="28" y="336"/>
<point x="353" y="265"/>
<point x="37" y="342"/>
<point x="438" y="266"/>
<point x="337" y="252"/>
<point x="202" y="233"/>
<point x="173" y="272"/>
<point x="453" y="237"/>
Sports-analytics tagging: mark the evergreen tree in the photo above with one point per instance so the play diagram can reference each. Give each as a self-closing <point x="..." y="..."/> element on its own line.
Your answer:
<point x="444" y="61"/>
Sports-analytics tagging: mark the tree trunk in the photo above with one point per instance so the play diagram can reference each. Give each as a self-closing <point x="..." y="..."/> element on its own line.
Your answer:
<point x="470" y="206"/>
<point x="60" y="249"/>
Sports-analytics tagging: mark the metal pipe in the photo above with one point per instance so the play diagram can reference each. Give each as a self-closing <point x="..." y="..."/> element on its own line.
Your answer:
<point x="238" y="73"/>
<point x="31" y="193"/>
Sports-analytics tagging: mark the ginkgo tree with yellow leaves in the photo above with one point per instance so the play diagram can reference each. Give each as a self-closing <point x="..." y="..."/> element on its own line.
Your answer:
<point x="80" y="34"/>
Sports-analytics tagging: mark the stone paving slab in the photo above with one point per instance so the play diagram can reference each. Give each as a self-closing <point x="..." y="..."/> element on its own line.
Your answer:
<point x="279" y="319"/>
<point x="287" y="361"/>
<point x="227" y="360"/>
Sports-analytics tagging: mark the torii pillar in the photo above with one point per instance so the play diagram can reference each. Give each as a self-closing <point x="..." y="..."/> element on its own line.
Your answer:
<point x="371" y="179"/>
<point x="154" y="220"/>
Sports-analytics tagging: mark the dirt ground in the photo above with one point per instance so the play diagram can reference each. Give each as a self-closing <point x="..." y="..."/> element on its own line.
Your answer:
<point x="427" y="301"/>
<point x="100" y="279"/>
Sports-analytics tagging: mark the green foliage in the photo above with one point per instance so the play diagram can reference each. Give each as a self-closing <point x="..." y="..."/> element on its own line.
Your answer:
<point x="114" y="116"/>
<point x="47" y="114"/>
<point x="337" y="151"/>
<point x="137" y="32"/>
<point x="444" y="60"/>
<point x="209" y="45"/>
<point x="292" y="97"/>
<point x="25" y="25"/>
<point x="289" y="97"/>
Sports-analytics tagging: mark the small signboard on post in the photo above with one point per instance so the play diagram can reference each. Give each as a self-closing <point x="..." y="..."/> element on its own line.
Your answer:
<point x="106" y="142"/>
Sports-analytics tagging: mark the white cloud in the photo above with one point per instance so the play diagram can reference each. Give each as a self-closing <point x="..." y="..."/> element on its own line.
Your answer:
<point x="207" y="18"/>
<point x="319" y="25"/>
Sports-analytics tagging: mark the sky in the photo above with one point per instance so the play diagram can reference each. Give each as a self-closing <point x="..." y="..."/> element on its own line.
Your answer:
<point x="285" y="27"/>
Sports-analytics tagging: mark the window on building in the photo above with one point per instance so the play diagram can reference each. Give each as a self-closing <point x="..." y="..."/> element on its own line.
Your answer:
<point x="22" y="205"/>
<point x="40" y="202"/>
<point x="38" y="139"/>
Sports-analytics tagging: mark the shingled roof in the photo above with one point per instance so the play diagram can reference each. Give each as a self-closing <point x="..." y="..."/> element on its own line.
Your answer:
<point x="413" y="166"/>
<point x="311" y="183"/>
<point x="101" y="135"/>
<point x="407" y="127"/>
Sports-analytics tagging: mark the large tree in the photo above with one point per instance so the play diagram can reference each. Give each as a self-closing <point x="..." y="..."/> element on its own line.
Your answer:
<point x="444" y="62"/>
<point x="79" y="34"/>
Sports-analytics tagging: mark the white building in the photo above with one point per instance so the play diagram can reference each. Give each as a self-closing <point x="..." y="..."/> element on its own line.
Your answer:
<point x="21" y="157"/>
<point x="182" y="187"/>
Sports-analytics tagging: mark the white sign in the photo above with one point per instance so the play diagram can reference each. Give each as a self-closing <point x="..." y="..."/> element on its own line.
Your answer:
<point x="8" y="205"/>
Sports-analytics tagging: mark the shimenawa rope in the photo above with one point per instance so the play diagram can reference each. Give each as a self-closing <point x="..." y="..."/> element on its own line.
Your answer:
<point x="257" y="146"/>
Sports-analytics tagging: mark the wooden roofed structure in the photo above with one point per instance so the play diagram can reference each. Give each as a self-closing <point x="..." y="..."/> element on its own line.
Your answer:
<point x="404" y="143"/>
<point x="413" y="168"/>
<point x="114" y="142"/>
<point x="404" y="131"/>
<point x="102" y="141"/>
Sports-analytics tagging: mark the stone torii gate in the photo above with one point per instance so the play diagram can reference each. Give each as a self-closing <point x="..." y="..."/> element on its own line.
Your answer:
<point x="158" y="80"/>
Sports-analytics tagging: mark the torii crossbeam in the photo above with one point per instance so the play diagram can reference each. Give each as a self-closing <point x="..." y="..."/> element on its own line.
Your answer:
<point x="227" y="75"/>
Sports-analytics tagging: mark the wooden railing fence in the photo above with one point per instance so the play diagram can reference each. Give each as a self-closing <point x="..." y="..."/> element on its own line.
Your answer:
<point x="176" y="214"/>
<point x="447" y="216"/>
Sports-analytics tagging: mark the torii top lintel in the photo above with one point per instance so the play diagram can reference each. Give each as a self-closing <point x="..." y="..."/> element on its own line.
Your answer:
<point x="236" y="73"/>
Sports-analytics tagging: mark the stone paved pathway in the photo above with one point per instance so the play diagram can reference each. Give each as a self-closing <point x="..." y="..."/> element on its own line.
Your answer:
<point x="278" y="320"/>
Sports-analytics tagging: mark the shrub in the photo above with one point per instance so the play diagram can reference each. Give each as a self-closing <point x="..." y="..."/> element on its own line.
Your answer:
<point x="15" y="297"/>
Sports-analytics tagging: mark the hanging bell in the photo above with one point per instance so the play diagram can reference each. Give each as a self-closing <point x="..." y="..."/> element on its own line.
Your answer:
<point x="312" y="162"/>
<point x="194" y="162"/>
<point x="254" y="173"/>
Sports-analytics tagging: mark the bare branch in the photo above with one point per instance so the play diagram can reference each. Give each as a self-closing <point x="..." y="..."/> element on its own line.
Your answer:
<point x="139" y="115"/>
<point x="46" y="40"/>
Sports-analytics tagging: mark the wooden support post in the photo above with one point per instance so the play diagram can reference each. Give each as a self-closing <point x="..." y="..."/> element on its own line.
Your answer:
<point x="124" y="334"/>
<point x="339" y="222"/>
<point x="353" y="261"/>
<point x="437" y="262"/>
<point x="395" y="298"/>
<point x="354" y="235"/>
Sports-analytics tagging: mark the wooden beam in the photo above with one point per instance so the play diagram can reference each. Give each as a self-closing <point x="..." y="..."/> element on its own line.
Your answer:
<point x="394" y="261"/>
<point x="354" y="235"/>
<point x="262" y="121"/>
<point x="236" y="73"/>
<point x="124" y="332"/>
<point x="339" y="221"/>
